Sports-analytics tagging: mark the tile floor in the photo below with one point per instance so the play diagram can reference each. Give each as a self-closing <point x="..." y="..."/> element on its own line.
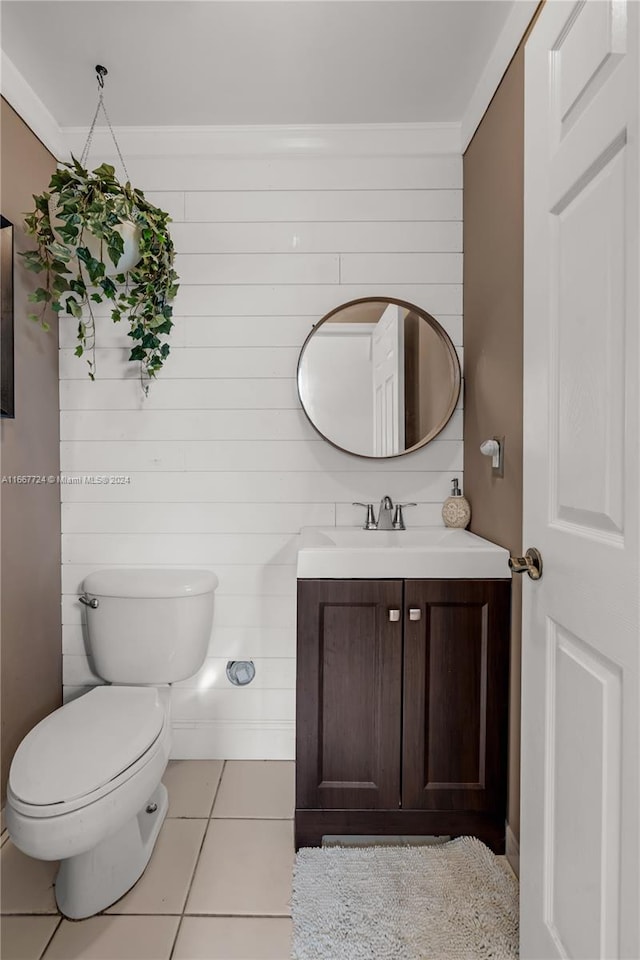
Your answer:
<point x="217" y="887"/>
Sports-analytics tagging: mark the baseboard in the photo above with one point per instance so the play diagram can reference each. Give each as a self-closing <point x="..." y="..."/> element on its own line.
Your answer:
<point x="512" y="850"/>
<point x="234" y="740"/>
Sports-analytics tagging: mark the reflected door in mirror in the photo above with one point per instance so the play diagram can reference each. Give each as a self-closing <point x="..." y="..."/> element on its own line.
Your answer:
<point x="378" y="378"/>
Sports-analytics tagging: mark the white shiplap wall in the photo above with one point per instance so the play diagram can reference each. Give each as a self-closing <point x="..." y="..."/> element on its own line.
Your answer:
<point x="224" y="467"/>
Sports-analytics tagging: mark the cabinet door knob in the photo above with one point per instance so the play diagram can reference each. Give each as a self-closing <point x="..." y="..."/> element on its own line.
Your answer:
<point x="394" y="616"/>
<point x="414" y="613"/>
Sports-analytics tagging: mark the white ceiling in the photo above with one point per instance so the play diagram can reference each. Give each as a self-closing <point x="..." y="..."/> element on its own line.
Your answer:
<point x="219" y="62"/>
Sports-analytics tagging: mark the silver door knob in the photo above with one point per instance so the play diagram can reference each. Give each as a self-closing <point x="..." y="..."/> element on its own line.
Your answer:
<point x="415" y="613"/>
<point x="394" y="616"/>
<point x="530" y="564"/>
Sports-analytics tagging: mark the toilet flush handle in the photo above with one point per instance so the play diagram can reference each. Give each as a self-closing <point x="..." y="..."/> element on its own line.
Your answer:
<point x="92" y="602"/>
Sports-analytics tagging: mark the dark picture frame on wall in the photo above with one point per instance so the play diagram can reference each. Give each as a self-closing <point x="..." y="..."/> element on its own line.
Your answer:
<point x="6" y="319"/>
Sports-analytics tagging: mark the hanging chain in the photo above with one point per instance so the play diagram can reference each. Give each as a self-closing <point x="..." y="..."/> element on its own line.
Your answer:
<point x="85" y="152"/>
<point x="84" y="156"/>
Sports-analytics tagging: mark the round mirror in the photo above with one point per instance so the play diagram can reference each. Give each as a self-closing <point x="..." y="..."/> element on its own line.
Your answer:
<point x="378" y="378"/>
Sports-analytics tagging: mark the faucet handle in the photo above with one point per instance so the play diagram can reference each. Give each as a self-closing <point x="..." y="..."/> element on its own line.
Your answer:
<point x="370" y="522"/>
<point x="398" y="517"/>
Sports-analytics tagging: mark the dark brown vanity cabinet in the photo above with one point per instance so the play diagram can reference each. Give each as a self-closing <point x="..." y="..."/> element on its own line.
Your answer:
<point x="402" y="708"/>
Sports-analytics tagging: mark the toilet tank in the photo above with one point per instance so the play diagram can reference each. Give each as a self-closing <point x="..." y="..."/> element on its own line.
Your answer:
<point x="148" y="626"/>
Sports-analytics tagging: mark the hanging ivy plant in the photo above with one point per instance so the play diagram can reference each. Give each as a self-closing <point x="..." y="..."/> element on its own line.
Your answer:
<point x="78" y="226"/>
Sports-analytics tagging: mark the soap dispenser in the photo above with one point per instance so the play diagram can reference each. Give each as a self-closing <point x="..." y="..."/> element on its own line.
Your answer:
<point x="456" y="511"/>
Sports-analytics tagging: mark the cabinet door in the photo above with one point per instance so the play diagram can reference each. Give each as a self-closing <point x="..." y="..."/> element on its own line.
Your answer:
<point x="349" y="694"/>
<point x="456" y="674"/>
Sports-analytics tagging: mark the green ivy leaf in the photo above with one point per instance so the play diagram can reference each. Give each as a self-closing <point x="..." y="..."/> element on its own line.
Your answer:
<point x="39" y="296"/>
<point x="60" y="284"/>
<point x="95" y="269"/>
<point x="105" y="171"/>
<point x="60" y="251"/>
<point x="164" y="327"/>
<point x="74" y="308"/>
<point x="58" y="266"/>
<point x="42" y="203"/>
<point x="68" y="234"/>
<point x="33" y="261"/>
<point x="78" y="350"/>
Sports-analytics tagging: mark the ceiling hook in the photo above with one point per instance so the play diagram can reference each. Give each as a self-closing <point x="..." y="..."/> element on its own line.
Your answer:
<point x="102" y="73"/>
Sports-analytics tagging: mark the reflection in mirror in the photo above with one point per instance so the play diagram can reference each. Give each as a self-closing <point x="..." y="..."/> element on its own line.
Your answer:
<point x="378" y="378"/>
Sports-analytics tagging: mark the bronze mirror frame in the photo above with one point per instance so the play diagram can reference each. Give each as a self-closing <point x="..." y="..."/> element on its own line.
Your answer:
<point x="451" y="354"/>
<point x="7" y="392"/>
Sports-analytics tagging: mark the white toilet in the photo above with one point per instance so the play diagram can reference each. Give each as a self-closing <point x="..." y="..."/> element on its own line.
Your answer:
<point x="84" y="786"/>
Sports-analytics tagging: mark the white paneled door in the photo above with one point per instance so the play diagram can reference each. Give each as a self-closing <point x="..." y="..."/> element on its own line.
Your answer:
<point x="580" y="840"/>
<point x="387" y="349"/>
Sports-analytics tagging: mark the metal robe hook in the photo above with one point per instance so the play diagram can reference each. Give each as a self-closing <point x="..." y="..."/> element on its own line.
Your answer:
<point x="102" y="73"/>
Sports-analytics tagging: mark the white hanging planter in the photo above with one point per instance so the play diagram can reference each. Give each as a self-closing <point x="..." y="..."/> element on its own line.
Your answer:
<point x="131" y="235"/>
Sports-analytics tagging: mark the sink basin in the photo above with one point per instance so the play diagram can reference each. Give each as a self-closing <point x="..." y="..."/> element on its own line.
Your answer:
<point x="422" y="553"/>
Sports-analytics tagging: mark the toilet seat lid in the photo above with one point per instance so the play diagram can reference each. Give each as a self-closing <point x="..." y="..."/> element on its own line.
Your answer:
<point x="86" y="743"/>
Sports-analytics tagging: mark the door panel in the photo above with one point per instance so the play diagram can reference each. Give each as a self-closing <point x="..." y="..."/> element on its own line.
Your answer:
<point x="594" y="39"/>
<point x="583" y="731"/>
<point x="588" y="447"/>
<point x="349" y="694"/>
<point x="580" y="834"/>
<point x="455" y="695"/>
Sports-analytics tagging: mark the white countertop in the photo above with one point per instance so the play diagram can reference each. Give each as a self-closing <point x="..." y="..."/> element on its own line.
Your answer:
<point x="419" y="553"/>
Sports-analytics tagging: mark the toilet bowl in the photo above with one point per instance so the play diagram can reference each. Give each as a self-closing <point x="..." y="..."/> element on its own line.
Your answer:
<point x="85" y="784"/>
<point x="101" y="759"/>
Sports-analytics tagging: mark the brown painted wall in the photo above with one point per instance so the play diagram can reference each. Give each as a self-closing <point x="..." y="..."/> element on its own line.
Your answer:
<point x="493" y="273"/>
<point x="30" y="514"/>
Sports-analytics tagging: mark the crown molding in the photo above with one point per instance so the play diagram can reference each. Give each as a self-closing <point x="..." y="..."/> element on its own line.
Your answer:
<point x="377" y="139"/>
<point x="381" y="139"/>
<point x="506" y="45"/>
<point x="17" y="92"/>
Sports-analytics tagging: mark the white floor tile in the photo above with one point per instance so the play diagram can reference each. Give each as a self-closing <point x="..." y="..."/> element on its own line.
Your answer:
<point x="257" y="789"/>
<point x="192" y="785"/>
<point x="114" y="938"/>
<point x="24" y="938"/>
<point x="234" y="938"/>
<point x="27" y="884"/>
<point x="245" y="868"/>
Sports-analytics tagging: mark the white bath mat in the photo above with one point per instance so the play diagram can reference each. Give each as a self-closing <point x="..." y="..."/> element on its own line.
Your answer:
<point x="452" y="901"/>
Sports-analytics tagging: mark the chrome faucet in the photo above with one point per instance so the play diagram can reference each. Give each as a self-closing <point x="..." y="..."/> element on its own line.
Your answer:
<point x="385" y="514"/>
<point x="387" y="511"/>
